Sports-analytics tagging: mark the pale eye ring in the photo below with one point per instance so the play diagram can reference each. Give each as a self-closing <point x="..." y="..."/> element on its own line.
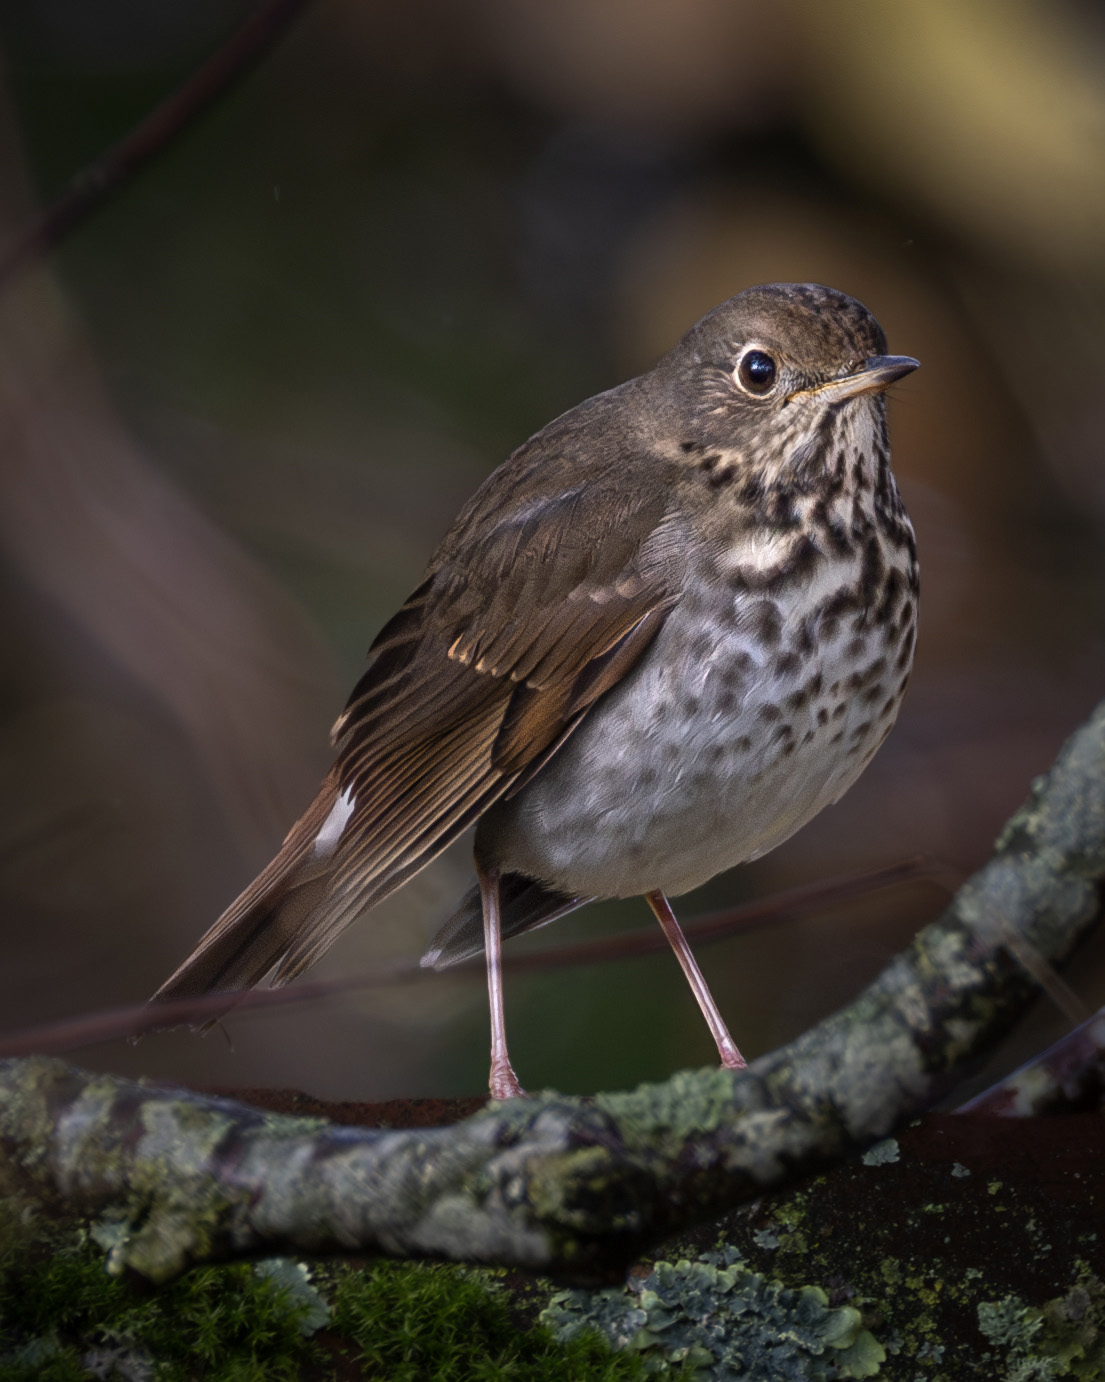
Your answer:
<point x="757" y="371"/>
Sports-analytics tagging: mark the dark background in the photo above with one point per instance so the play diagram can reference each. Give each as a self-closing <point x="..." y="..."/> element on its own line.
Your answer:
<point x="240" y="405"/>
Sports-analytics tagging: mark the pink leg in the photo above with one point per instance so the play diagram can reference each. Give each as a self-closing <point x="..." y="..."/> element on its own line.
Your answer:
<point x="726" y="1046"/>
<point x="503" y="1082"/>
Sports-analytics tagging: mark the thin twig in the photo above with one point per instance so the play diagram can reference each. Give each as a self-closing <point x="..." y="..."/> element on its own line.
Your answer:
<point x="1068" y="1077"/>
<point x="113" y="1024"/>
<point x="95" y="183"/>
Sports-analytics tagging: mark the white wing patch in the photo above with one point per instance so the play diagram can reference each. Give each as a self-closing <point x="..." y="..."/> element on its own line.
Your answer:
<point x="326" y="841"/>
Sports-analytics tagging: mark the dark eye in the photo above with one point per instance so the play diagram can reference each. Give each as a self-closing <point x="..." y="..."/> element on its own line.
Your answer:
<point x="756" y="372"/>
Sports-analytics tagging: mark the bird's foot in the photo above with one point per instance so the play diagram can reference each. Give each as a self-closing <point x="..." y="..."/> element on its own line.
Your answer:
<point x="504" y="1082"/>
<point x="731" y="1058"/>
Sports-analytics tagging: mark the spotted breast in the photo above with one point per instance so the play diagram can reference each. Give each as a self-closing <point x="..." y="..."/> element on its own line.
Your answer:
<point x="775" y="678"/>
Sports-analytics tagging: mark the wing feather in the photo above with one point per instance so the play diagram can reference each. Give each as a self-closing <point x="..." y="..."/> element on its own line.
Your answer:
<point x="530" y="612"/>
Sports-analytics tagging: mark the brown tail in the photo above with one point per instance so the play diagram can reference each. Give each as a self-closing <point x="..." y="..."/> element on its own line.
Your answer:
<point x="258" y="929"/>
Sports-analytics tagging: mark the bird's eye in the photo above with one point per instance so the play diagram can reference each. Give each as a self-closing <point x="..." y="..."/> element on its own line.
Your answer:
<point x="756" y="372"/>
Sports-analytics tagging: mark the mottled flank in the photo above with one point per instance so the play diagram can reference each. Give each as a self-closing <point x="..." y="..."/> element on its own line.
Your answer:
<point x="778" y="671"/>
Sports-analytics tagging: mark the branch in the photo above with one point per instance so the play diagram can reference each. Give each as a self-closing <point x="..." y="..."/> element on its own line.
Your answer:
<point x="559" y="1185"/>
<point x="94" y="184"/>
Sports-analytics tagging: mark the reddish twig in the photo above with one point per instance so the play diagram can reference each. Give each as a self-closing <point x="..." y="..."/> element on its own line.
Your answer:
<point x="111" y="1024"/>
<point x="123" y="160"/>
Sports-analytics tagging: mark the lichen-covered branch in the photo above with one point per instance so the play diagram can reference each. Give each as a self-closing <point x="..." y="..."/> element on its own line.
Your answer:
<point x="562" y="1185"/>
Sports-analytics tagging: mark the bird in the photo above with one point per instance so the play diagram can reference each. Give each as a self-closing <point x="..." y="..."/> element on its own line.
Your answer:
<point x="668" y="630"/>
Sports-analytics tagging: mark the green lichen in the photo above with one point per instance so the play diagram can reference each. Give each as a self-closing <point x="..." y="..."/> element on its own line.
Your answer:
<point x="690" y="1104"/>
<point x="1064" y="1337"/>
<point x="718" y="1320"/>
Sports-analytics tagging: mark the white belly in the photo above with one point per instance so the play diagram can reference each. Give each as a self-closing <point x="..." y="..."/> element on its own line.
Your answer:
<point x="729" y="735"/>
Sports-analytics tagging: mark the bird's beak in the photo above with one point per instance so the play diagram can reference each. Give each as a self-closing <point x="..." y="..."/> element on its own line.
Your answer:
<point x="878" y="373"/>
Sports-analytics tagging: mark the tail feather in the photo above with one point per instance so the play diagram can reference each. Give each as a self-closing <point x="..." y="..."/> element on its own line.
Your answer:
<point x="524" y="905"/>
<point x="259" y="928"/>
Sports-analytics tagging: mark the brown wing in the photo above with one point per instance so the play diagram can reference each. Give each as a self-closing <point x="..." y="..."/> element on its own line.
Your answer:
<point x="530" y="612"/>
<point x="520" y="627"/>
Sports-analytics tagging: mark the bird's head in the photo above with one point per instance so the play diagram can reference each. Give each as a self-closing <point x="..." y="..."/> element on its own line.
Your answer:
<point x="764" y="378"/>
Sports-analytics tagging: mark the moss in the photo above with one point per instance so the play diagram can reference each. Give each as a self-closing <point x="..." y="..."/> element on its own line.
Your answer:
<point x="63" y="1317"/>
<point x="416" y="1323"/>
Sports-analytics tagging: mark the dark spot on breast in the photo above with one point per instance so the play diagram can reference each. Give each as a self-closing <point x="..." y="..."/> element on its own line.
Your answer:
<point x="702" y="645"/>
<point x="769" y="712"/>
<point x="813" y="686"/>
<point x="833" y="610"/>
<point x="822" y="715"/>
<point x="725" y="701"/>
<point x="831" y="530"/>
<point x="787" y="664"/>
<point x="860" y="731"/>
<point x="788" y="748"/>
<point x="765" y="623"/>
<point x="691" y="705"/>
<point x="687" y="445"/>
<point x="797" y="699"/>
<point x="840" y="603"/>
<point x="743" y="744"/>
<point x="905" y="657"/>
<point x="837" y="737"/>
<point x="647" y="777"/>
<point x="891" y="594"/>
<point x="707" y="463"/>
<point x="876" y="669"/>
<point x="784" y="732"/>
<point x="722" y="477"/>
<point x="873" y="693"/>
<point x="871" y="572"/>
<point x="801" y="559"/>
<point x="855" y="648"/>
<point x="906" y="616"/>
<point x="839" y="711"/>
<point x="803" y="639"/>
<point x="891" y="702"/>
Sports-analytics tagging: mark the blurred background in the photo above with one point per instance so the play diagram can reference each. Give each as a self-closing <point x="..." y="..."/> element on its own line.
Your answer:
<point x="240" y="405"/>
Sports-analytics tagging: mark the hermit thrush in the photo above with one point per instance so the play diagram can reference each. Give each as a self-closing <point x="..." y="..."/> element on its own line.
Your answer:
<point x="673" y="626"/>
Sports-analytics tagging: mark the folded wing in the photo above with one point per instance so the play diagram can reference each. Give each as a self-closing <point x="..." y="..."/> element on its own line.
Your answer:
<point x="526" y="618"/>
